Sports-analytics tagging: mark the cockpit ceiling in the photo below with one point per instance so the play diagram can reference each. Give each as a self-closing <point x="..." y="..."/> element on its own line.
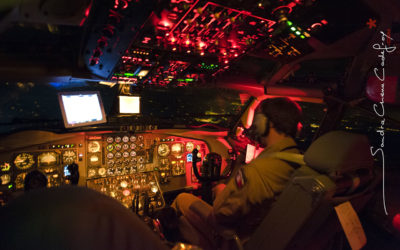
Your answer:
<point x="171" y="42"/>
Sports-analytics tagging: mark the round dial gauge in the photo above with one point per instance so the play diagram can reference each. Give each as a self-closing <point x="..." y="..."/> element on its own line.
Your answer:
<point x="118" y="155"/>
<point x="24" y="161"/>
<point x="69" y="156"/>
<point x="125" y="139"/>
<point x="140" y="137"/>
<point x="118" y="147"/>
<point x="118" y="139"/>
<point x="47" y="159"/>
<point x="110" y="147"/>
<point x="110" y="139"/>
<point x="91" y="172"/>
<point x="176" y="148"/>
<point x="94" y="160"/>
<point x="125" y="154"/>
<point x="132" y="138"/>
<point x="110" y="163"/>
<point x="5" y="179"/>
<point x="133" y="146"/>
<point x="94" y="147"/>
<point x="125" y="147"/>
<point x="189" y="146"/>
<point x="110" y="155"/>
<point x="133" y="153"/>
<point x="102" y="171"/>
<point x="163" y="150"/>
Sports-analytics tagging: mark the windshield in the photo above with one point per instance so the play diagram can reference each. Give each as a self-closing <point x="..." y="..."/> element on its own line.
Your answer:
<point x="29" y="105"/>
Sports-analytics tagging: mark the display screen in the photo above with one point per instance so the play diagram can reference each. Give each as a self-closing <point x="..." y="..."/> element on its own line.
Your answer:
<point x="129" y="104"/>
<point x="81" y="108"/>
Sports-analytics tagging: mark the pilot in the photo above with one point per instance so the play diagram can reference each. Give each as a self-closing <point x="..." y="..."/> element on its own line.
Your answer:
<point x="248" y="195"/>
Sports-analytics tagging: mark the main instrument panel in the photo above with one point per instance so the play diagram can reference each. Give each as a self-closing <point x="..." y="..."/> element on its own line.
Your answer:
<point x="125" y="166"/>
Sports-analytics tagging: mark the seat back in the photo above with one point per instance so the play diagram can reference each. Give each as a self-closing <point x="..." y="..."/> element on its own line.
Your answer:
<point x="337" y="168"/>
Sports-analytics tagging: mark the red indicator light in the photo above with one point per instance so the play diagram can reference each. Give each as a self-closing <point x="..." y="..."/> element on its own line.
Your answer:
<point x="324" y="22"/>
<point x="226" y="62"/>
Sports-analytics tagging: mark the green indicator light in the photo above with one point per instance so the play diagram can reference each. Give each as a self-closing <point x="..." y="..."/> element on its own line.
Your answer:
<point x="181" y="80"/>
<point x="293" y="28"/>
<point x="298" y="33"/>
<point x="189" y="79"/>
<point x="129" y="74"/>
<point x="10" y="186"/>
<point x="212" y="65"/>
<point x="289" y="23"/>
<point x="302" y="37"/>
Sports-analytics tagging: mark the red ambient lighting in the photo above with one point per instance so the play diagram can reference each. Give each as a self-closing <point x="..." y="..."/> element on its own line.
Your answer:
<point x="87" y="12"/>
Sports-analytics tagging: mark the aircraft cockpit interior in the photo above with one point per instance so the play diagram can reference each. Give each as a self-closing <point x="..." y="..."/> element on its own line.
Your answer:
<point x="132" y="124"/>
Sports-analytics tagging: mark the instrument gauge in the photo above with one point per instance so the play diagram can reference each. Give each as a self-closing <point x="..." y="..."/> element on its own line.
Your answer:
<point x="102" y="171"/>
<point x="47" y="159"/>
<point x="125" y="154"/>
<point x="125" y="139"/>
<point x="19" y="180"/>
<point x="91" y="172"/>
<point x="5" y="167"/>
<point x="69" y="156"/>
<point x="118" y="139"/>
<point x="163" y="150"/>
<point x="118" y="147"/>
<point x="94" y="160"/>
<point x="110" y="155"/>
<point x="24" y="161"/>
<point x="133" y="153"/>
<point x="140" y="137"/>
<point x="177" y="148"/>
<point x="94" y="147"/>
<point x="132" y="138"/>
<point x="110" y="139"/>
<point x="5" y="179"/>
<point x="110" y="147"/>
<point x="125" y="147"/>
<point x="189" y="147"/>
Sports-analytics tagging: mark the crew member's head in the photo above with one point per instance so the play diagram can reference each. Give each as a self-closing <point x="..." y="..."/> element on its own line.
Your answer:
<point x="279" y="117"/>
<point x="34" y="180"/>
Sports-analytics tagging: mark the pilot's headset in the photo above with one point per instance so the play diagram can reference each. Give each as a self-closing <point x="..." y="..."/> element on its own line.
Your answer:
<point x="283" y="113"/>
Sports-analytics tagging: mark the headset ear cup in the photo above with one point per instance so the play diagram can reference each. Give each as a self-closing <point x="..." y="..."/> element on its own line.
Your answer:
<point x="261" y="124"/>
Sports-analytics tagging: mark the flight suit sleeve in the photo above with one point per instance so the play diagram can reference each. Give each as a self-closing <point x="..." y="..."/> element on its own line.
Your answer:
<point x="237" y="197"/>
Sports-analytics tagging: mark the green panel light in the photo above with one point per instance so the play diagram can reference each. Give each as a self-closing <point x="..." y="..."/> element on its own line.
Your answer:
<point x="302" y="37"/>
<point x="10" y="186"/>
<point x="289" y="23"/>
<point x="129" y="74"/>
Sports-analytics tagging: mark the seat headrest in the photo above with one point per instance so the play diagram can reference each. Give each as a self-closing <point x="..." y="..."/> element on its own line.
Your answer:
<point x="339" y="151"/>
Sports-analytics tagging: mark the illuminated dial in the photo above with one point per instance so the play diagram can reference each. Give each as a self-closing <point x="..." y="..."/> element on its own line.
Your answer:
<point x="118" y="139"/>
<point x="94" y="147"/>
<point x="5" y="167"/>
<point x="94" y="160"/>
<point x="47" y="159"/>
<point x="140" y="137"/>
<point x="141" y="160"/>
<point x="110" y="139"/>
<point x="133" y="153"/>
<point x="125" y="154"/>
<point x="176" y="149"/>
<point x="24" y="161"/>
<point x="110" y="155"/>
<point x="125" y="147"/>
<point x="69" y="156"/>
<point x="189" y="146"/>
<point x="163" y="150"/>
<point x="133" y="146"/>
<point x="132" y="138"/>
<point x="91" y="172"/>
<point x="102" y="171"/>
<point x="110" y="147"/>
<point x="141" y="167"/>
<point x="5" y="179"/>
<point x="133" y="161"/>
<point x="19" y="180"/>
<point x="118" y="147"/>
<point x="110" y="163"/>
<point x="118" y="155"/>
<point x="125" y="139"/>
